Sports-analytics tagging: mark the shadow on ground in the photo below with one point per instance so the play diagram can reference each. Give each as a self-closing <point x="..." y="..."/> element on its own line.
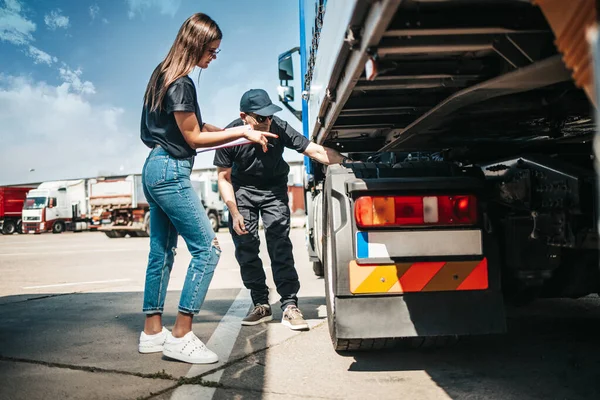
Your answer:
<point x="551" y="351"/>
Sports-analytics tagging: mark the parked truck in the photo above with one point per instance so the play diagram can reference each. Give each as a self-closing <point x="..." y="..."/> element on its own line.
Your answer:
<point x="120" y="205"/>
<point x="472" y="125"/>
<point x="11" y="208"/>
<point x="56" y="207"/>
<point x="208" y="191"/>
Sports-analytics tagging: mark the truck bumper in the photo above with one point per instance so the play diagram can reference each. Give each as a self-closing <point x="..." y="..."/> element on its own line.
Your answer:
<point x="420" y="314"/>
<point x="129" y="228"/>
<point x="33" y="227"/>
<point x="366" y="307"/>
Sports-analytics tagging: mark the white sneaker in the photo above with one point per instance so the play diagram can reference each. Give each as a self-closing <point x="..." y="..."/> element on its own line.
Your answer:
<point x="188" y="349"/>
<point x="152" y="343"/>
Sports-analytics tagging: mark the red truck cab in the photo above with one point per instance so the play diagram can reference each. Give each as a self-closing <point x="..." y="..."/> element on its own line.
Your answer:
<point x="11" y="208"/>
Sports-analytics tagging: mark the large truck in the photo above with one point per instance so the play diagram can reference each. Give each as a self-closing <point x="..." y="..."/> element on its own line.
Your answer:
<point x="11" y="208"/>
<point x="472" y="125"/>
<point x="56" y="207"/>
<point x="208" y="191"/>
<point x="120" y="206"/>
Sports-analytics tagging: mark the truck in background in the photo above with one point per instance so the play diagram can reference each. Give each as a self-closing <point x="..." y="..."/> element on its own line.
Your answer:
<point x="56" y="207"/>
<point x="11" y="208"/>
<point x="120" y="206"/>
<point x="473" y="122"/>
<point x="208" y="191"/>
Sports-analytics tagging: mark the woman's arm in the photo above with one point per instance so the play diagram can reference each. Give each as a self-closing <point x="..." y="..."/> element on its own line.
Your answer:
<point x="195" y="138"/>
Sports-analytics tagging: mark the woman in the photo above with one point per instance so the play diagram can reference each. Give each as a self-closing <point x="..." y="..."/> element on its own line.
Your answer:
<point x="172" y="127"/>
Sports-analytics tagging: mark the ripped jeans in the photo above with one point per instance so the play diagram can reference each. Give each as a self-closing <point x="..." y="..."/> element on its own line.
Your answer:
<point x="175" y="209"/>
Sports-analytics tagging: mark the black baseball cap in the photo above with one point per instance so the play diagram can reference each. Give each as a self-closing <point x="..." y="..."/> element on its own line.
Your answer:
<point x="257" y="101"/>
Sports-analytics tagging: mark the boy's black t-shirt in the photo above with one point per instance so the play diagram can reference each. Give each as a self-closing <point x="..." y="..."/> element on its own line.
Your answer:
<point x="160" y="127"/>
<point x="251" y="167"/>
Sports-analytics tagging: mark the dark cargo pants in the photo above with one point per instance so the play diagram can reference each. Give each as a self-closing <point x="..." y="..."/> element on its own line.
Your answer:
<point x="272" y="205"/>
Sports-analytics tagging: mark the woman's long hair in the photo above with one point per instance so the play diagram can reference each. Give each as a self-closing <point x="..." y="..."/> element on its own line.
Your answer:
<point x="192" y="40"/>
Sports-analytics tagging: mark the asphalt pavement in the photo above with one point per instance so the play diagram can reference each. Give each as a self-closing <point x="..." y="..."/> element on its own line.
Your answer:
<point x="70" y="318"/>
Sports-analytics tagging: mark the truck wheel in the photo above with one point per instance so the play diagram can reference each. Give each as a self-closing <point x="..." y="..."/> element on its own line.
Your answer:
<point x="429" y="342"/>
<point x="338" y="344"/>
<point x="115" y="234"/>
<point x="58" y="227"/>
<point x="214" y="222"/>
<point x="318" y="268"/>
<point x="9" y="227"/>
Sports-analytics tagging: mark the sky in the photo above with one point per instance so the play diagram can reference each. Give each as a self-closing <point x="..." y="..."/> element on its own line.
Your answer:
<point x="73" y="75"/>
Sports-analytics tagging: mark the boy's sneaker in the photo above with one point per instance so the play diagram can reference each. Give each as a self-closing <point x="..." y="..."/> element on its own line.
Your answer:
<point x="293" y="319"/>
<point x="260" y="313"/>
<point x="153" y="343"/>
<point x="188" y="349"/>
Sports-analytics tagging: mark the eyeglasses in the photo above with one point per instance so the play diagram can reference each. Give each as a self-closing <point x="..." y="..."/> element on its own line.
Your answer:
<point x="214" y="52"/>
<point x="260" y="119"/>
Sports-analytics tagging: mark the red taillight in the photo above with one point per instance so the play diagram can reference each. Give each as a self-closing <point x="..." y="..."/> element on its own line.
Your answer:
<point x="387" y="211"/>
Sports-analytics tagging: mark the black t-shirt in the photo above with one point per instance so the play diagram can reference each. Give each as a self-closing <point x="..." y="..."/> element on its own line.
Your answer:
<point x="160" y="127"/>
<point x="251" y="167"/>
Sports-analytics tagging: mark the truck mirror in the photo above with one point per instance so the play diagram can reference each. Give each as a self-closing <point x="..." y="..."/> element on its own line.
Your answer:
<point x="215" y="187"/>
<point x="286" y="67"/>
<point x="286" y="74"/>
<point x="286" y="93"/>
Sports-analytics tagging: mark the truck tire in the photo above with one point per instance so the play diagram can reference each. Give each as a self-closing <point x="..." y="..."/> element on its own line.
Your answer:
<point x="338" y="344"/>
<point x="214" y="221"/>
<point x="115" y="234"/>
<point x="318" y="269"/>
<point x="58" y="227"/>
<point x="9" y="227"/>
<point x="429" y="342"/>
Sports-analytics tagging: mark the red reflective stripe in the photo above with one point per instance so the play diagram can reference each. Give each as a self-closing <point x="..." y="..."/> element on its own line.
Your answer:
<point x="419" y="275"/>
<point x="478" y="279"/>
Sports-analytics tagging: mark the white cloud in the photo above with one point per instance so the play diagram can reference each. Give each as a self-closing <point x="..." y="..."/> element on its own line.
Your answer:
<point x="166" y="7"/>
<point x="40" y="56"/>
<point x="13" y="5"/>
<point x="15" y="28"/>
<point x="73" y="81"/>
<point x="105" y="20"/>
<point x="56" y="20"/>
<point x="94" y="11"/>
<point x="67" y="137"/>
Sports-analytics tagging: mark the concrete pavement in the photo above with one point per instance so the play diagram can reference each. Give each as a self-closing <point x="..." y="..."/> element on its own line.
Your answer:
<point x="70" y="320"/>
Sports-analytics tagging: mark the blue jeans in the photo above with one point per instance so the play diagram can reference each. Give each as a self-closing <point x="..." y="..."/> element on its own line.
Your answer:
<point x="175" y="209"/>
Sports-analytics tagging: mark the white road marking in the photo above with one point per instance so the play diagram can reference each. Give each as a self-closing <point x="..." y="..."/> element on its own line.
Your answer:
<point x="221" y="342"/>
<point x="71" y="252"/>
<point x="76" y="283"/>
